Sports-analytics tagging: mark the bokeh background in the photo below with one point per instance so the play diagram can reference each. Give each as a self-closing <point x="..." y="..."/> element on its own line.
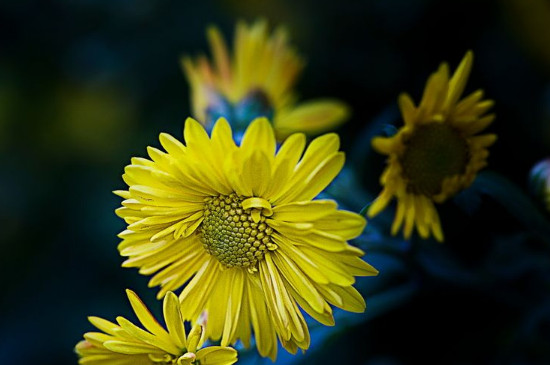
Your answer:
<point x="85" y="85"/>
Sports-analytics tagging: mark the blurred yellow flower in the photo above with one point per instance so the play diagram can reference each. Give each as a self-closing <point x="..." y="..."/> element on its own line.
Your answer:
<point x="436" y="153"/>
<point x="127" y="344"/>
<point x="257" y="80"/>
<point x="237" y="223"/>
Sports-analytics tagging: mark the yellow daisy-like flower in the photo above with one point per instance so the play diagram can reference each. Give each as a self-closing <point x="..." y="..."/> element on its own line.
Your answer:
<point x="239" y="223"/>
<point x="256" y="81"/>
<point x="127" y="344"/>
<point x="436" y="153"/>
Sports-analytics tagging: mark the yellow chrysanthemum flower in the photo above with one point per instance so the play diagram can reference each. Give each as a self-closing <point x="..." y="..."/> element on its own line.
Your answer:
<point x="436" y="153"/>
<point x="127" y="344"/>
<point x="256" y="81"/>
<point x="239" y="222"/>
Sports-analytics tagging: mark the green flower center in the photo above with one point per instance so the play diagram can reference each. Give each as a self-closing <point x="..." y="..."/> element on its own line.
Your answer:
<point x="232" y="234"/>
<point x="433" y="152"/>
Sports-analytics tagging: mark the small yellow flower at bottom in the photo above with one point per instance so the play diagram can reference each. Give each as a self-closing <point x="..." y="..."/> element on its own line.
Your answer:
<point x="127" y="344"/>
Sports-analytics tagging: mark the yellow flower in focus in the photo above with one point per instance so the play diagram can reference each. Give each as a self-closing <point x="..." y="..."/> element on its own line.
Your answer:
<point x="257" y="80"/>
<point x="236" y="226"/>
<point x="436" y="153"/>
<point x="127" y="344"/>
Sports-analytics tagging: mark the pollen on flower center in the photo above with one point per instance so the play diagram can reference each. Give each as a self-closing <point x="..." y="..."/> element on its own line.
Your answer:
<point x="432" y="153"/>
<point x="232" y="234"/>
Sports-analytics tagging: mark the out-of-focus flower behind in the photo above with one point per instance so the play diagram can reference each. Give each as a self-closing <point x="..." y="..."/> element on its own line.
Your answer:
<point x="256" y="80"/>
<point x="436" y="153"/>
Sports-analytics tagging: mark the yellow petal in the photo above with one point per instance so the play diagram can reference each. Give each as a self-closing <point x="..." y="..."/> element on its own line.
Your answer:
<point x="104" y="325"/>
<point x="217" y="355"/>
<point x="306" y="211"/>
<point x="172" y="145"/>
<point x="264" y="331"/>
<point x="218" y="303"/>
<point x="256" y="172"/>
<point x="313" y="117"/>
<point x="144" y="316"/>
<point x="233" y="311"/>
<point x="319" y="178"/>
<point x="320" y="149"/>
<point x="259" y="136"/>
<point x="299" y="281"/>
<point x="352" y="299"/>
<point x="222" y="138"/>
<point x="325" y="317"/>
<point x="478" y="125"/>
<point x="344" y="224"/>
<point x="306" y="264"/>
<point x="380" y="203"/>
<point x="435" y="92"/>
<point x="194" y="295"/>
<point x="276" y="297"/>
<point x="459" y="79"/>
<point x="220" y="53"/>
<point x="174" y="320"/>
<point x="165" y="344"/>
<point x="131" y="348"/>
<point x="408" y="110"/>
<point x="285" y="162"/>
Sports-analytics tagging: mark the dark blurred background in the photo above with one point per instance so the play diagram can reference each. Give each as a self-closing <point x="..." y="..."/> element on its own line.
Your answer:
<point x="85" y="85"/>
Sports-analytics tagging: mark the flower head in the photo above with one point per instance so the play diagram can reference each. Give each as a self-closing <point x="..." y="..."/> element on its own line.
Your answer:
<point x="125" y="343"/>
<point x="257" y="80"/>
<point x="436" y="153"/>
<point x="236" y="226"/>
<point x="539" y="177"/>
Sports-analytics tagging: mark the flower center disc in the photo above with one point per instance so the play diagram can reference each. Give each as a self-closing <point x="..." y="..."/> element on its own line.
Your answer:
<point x="433" y="152"/>
<point x="229" y="233"/>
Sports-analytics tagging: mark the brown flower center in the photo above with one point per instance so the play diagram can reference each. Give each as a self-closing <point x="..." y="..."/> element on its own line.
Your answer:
<point x="433" y="152"/>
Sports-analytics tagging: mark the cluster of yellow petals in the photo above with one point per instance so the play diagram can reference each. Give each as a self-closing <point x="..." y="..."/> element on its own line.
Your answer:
<point x="124" y="343"/>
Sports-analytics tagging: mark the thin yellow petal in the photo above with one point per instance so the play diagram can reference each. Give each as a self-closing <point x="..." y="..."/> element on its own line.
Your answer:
<point x="304" y="211"/>
<point x="259" y="136"/>
<point x="459" y="79"/>
<point x="408" y="109"/>
<point x="217" y="355"/>
<point x="174" y="320"/>
<point x="131" y="348"/>
<point x="313" y="117"/>
<point x="299" y="281"/>
<point x="144" y="316"/>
